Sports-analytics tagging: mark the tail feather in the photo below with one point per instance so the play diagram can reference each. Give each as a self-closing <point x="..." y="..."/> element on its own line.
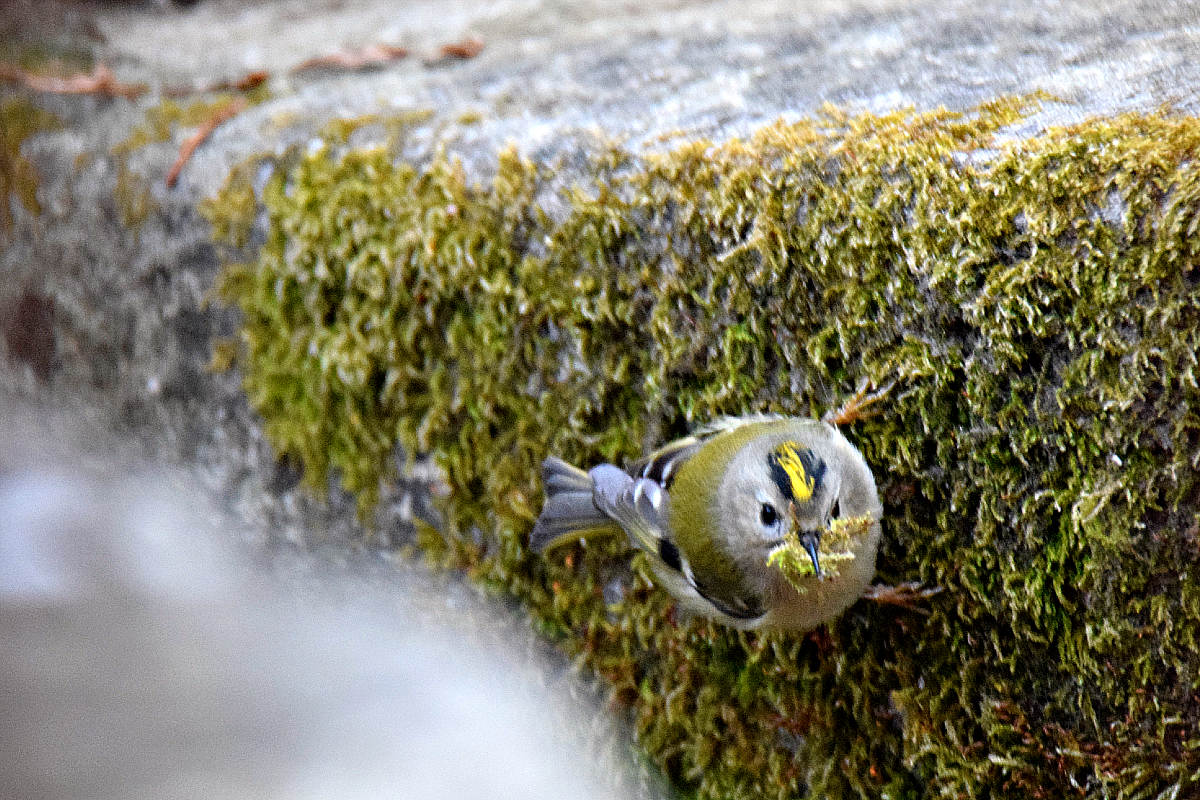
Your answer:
<point x="569" y="512"/>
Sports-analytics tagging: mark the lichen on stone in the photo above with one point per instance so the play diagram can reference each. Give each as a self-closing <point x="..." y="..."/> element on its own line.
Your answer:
<point x="133" y="198"/>
<point x="1034" y="298"/>
<point x="19" y="119"/>
<point x="338" y="131"/>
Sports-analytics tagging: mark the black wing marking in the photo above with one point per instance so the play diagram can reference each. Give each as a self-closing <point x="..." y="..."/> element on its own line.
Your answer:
<point x="659" y="470"/>
<point x="669" y="554"/>
<point x="663" y="464"/>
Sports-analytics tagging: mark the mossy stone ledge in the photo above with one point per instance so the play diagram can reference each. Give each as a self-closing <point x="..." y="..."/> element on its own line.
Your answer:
<point x="1036" y="300"/>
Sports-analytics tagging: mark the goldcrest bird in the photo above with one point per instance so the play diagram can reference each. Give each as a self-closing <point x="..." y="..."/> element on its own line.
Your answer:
<point x="710" y="510"/>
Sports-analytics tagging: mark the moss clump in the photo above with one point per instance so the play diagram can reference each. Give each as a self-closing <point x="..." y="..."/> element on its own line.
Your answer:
<point x="836" y="548"/>
<point x="19" y="119"/>
<point x="1035" y="299"/>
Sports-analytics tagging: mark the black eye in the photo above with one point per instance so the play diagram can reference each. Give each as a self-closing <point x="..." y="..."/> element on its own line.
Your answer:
<point x="768" y="515"/>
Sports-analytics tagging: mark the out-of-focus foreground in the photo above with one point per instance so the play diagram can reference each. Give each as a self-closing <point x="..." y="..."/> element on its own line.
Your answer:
<point x="145" y="655"/>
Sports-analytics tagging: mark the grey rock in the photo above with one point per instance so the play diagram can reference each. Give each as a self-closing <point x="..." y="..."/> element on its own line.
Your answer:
<point x="132" y="327"/>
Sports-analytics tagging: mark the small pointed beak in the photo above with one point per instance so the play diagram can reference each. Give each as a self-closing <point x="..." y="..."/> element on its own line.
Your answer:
<point x="809" y="541"/>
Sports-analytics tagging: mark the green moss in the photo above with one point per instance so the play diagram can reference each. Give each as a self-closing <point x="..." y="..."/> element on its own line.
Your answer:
<point x="164" y="119"/>
<point x="1037" y="302"/>
<point x="157" y="127"/>
<point x="233" y="210"/>
<point x="836" y="547"/>
<point x="338" y="131"/>
<point x="132" y="192"/>
<point x="19" y="119"/>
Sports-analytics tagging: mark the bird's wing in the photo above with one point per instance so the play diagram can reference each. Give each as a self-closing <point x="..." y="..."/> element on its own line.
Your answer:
<point x="662" y="465"/>
<point x="640" y="506"/>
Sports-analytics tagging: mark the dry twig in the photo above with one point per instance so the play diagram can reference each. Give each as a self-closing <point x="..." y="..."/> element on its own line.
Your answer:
<point x="855" y="408"/>
<point x="467" y="48"/>
<point x="905" y="595"/>
<point x="196" y="139"/>
<point x="99" y="81"/>
<point x="251" y="80"/>
<point x="372" y="55"/>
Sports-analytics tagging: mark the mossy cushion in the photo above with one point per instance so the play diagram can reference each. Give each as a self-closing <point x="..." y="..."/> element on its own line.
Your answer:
<point x="1037" y="301"/>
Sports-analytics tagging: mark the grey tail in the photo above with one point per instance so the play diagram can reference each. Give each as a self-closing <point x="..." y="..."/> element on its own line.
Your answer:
<point x="569" y="512"/>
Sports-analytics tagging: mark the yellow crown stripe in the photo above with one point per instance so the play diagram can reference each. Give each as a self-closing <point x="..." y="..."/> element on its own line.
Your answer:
<point x="788" y="457"/>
